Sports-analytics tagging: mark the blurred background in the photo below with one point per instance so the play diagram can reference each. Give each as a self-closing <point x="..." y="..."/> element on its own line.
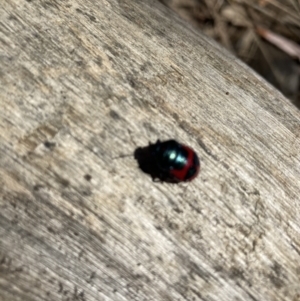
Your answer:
<point x="265" y="34"/>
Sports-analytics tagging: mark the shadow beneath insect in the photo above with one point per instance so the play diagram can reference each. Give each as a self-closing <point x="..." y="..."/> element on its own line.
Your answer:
<point x="147" y="164"/>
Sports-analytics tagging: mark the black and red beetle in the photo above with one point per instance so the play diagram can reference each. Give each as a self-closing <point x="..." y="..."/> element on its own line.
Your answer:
<point x="169" y="161"/>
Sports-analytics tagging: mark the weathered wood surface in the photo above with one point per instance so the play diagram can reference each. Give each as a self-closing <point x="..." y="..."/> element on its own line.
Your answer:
<point x="83" y="82"/>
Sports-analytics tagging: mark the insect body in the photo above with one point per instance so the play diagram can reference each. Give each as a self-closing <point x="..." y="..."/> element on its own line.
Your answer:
<point x="174" y="161"/>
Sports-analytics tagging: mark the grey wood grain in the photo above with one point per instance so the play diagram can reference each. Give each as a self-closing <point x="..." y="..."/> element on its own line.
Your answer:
<point x="84" y="82"/>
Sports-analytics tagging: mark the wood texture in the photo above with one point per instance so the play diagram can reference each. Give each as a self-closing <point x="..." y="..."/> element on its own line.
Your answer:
<point x="83" y="82"/>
